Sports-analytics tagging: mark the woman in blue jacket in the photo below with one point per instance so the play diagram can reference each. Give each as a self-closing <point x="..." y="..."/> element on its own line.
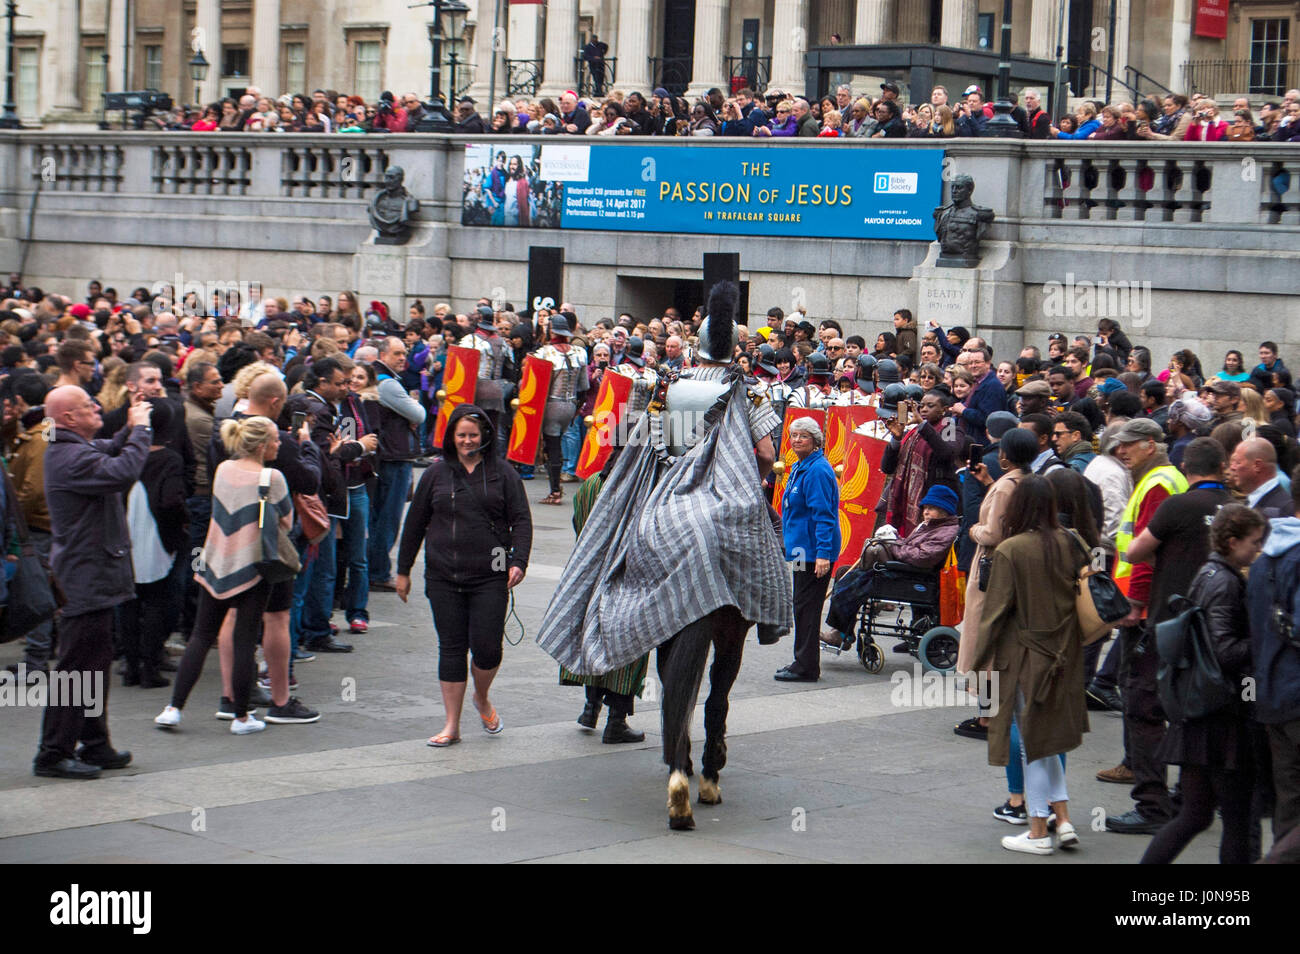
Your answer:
<point x="1087" y="123"/>
<point x="810" y="522"/>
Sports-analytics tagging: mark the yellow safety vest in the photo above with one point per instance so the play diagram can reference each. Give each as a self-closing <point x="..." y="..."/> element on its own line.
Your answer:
<point x="1168" y="477"/>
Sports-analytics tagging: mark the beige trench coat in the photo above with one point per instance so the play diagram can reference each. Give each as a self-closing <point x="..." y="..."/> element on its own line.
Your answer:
<point x="987" y="534"/>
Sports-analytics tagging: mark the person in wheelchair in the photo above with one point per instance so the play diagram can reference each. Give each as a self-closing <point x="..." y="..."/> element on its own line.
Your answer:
<point x="923" y="549"/>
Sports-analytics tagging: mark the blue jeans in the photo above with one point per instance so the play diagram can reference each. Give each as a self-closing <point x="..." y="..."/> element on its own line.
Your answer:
<point x="571" y="444"/>
<point x="386" y="515"/>
<point x="313" y="592"/>
<point x="1016" y="764"/>
<point x="353" y="552"/>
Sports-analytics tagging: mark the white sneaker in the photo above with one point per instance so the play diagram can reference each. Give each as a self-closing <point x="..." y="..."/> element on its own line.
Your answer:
<point x="250" y="725"/>
<point x="169" y="718"/>
<point x="1030" y="846"/>
<point x="1066" y="836"/>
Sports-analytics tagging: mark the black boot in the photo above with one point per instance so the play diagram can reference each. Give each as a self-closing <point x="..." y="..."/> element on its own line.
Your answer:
<point x="131" y="673"/>
<point x="591" y="711"/>
<point x="150" y="679"/>
<point x="617" y="730"/>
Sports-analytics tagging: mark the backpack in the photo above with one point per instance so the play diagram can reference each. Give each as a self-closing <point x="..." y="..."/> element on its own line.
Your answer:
<point x="1189" y="680"/>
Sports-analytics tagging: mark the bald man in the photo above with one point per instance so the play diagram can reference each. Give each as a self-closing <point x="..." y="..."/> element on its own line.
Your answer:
<point x="90" y="555"/>
<point x="1252" y="470"/>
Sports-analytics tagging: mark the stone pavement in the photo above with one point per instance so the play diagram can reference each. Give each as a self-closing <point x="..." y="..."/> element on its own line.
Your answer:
<point x="832" y="771"/>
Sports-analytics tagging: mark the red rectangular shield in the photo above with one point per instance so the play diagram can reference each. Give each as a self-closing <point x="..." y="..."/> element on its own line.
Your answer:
<point x="861" y="482"/>
<point x="787" y="455"/>
<point x="840" y="422"/>
<point x="534" y="384"/>
<point x="611" y="401"/>
<point x="459" y="379"/>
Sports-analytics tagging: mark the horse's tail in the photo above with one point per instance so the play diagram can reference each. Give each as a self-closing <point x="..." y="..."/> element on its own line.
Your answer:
<point x="687" y="659"/>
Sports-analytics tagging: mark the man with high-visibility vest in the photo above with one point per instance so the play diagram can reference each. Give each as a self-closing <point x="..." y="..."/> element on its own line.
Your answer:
<point x="1138" y="445"/>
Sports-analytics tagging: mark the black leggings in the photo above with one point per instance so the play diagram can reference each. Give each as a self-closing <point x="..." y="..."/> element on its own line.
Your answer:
<point x="469" y="619"/>
<point x="208" y="616"/>
<point x="554" y="460"/>
<point x="1204" y="789"/>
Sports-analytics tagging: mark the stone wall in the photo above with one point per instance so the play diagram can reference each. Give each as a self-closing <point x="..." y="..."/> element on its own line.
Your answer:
<point x="1194" y="243"/>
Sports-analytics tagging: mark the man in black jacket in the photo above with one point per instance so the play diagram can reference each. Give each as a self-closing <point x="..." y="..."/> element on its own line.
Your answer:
<point x="91" y="559"/>
<point x="324" y="385"/>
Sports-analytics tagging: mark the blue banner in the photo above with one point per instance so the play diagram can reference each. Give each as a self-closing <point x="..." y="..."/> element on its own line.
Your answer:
<point x="827" y="192"/>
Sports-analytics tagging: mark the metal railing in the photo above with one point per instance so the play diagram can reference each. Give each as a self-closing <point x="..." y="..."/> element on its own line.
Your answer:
<point x="1219" y="77"/>
<point x="586" y="81"/>
<point x="523" y="77"/>
<point x="756" y="71"/>
<point x="673" y="73"/>
<point x="1133" y="76"/>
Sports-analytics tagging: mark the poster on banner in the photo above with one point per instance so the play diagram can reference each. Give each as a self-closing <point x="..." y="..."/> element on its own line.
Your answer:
<point x="788" y="457"/>
<point x="885" y="193"/>
<point x="526" y="431"/>
<point x="459" y="379"/>
<point x="861" y="484"/>
<point x="1212" y="19"/>
<point x="611" y="401"/>
<point x="503" y="185"/>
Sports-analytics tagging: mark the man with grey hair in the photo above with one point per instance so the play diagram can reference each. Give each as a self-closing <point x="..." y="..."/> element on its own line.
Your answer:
<point x="1252" y="470"/>
<point x="400" y="416"/>
<point x="843" y="98"/>
<point x="1038" y="125"/>
<point x="366" y="354"/>
<point x="805" y="120"/>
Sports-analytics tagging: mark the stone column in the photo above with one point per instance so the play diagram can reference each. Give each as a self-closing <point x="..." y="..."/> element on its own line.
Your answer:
<point x="789" y="44"/>
<point x="873" y="22"/>
<point x="913" y="23"/>
<point x="207" y="21"/>
<point x="484" y="52"/>
<point x="833" y="16"/>
<point x="117" y="60"/>
<point x="1042" y="28"/>
<point x="265" y="65"/>
<point x="67" y="54"/>
<point x="633" y="45"/>
<point x="561" y="47"/>
<point x="708" y="68"/>
<point x="1123" y="13"/>
<point x="960" y="26"/>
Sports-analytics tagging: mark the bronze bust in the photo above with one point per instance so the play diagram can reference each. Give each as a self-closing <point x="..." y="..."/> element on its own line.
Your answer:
<point x="960" y="225"/>
<point x="392" y="208"/>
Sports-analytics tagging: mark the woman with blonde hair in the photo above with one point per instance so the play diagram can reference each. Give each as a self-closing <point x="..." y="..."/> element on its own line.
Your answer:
<point x="1252" y="403"/>
<point x="944" y="126"/>
<point x="257" y="511"/>
<point x="112" y="394"/>
<point x="243" y="382"/>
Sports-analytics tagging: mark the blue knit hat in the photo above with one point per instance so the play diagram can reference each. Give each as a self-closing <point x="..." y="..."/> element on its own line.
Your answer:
<point x="945" y="498"/>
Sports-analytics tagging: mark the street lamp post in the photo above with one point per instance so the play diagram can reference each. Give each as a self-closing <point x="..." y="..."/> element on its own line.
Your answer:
<point x="1003" y="124"/>
<point x="198" y="73"/>
<point x="448" y="21"/>
<point x="9" y="119"/>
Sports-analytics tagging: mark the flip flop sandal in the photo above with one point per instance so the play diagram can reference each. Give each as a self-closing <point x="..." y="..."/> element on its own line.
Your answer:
<point x="441" y="741"/>
<point x="553" y="499"/>
<point x="492" y="724"/>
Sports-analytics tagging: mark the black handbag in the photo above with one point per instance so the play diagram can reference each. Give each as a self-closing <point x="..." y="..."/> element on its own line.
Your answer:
<point x="985" y="567"/>
<point x="1189" y="680"/>
<point x="279" y="557"/>
<point x="31" y="599"/>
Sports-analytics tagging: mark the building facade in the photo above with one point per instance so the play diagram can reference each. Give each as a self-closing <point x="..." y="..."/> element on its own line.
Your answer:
<point x="69" y="52"/>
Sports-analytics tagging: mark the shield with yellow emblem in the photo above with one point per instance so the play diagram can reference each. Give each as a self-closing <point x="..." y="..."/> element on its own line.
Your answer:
<point x="861" y="482"/>
<point x="459" y="378"/>
<point x="526" y="431"/>
<point x="611" y="401"/>
<point x="788" y="457"/>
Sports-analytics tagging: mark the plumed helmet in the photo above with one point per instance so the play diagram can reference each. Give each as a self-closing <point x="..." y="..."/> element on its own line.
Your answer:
<point x="886" y="371"/>
<point x="718" y="335"/>
<point x="889" y="399"/>
<point x="863" y="375"/>
<point x="818" y="366"/>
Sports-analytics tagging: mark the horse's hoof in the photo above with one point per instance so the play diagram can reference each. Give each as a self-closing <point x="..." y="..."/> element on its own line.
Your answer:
<point x="710" y="793"/>
<point x="679" y="803"/>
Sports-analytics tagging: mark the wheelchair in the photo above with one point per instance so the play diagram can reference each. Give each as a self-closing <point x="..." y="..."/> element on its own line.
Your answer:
<point x="902" y="603"/>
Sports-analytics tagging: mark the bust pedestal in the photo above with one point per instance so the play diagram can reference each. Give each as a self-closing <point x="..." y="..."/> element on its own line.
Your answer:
<point x="986" y="298"/>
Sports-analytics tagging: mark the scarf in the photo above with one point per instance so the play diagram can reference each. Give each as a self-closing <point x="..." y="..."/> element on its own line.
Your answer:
<point x="909" y="483"/>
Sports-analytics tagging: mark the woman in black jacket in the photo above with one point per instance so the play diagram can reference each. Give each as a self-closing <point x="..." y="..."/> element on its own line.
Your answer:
<point x="1217" y="752"/>
<point x="159" y="557"/>
<point x="472" y="516"/>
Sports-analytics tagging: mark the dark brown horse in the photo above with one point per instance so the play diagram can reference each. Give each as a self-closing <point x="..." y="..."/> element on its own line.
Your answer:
<point x="681" y="661"/>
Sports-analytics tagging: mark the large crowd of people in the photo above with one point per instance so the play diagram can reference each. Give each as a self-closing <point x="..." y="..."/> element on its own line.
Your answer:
<point x="772" y="113"/>
<point x="235" y="473"/>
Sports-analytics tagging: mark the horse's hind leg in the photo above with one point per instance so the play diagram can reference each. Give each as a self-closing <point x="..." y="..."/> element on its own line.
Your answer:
<point x="681" y="688"/>
<point x="729" y="645"/>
